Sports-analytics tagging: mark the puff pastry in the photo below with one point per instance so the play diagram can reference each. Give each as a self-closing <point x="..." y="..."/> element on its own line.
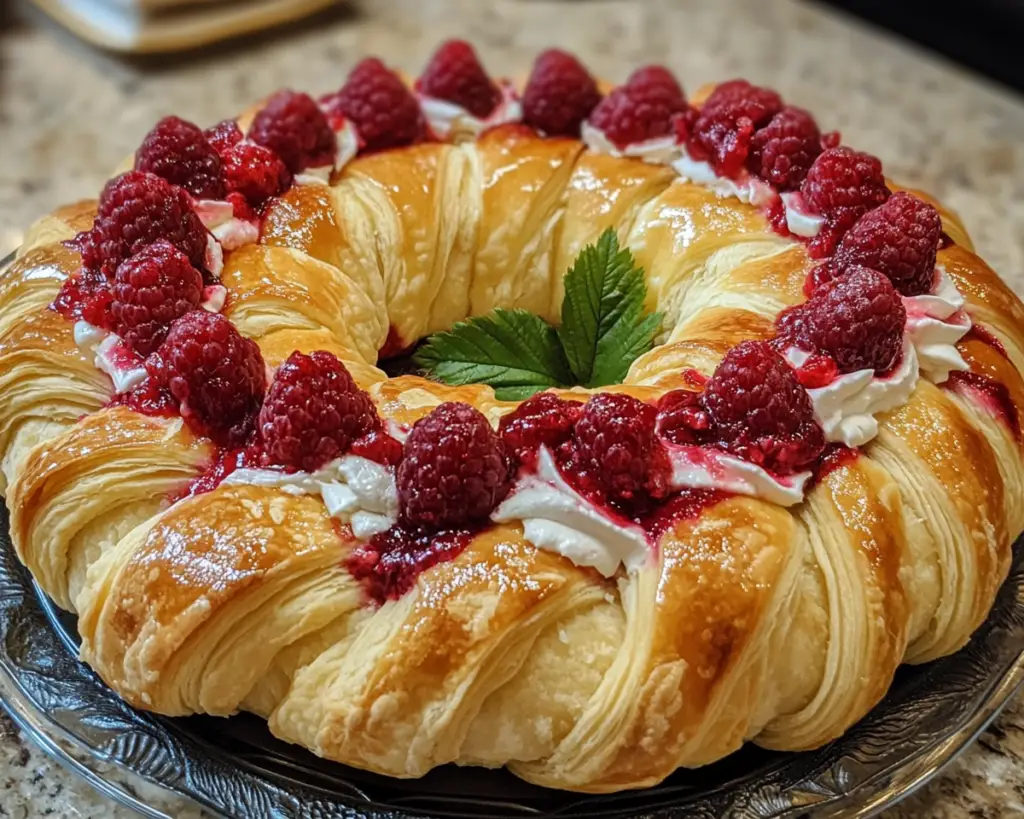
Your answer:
<point x="747" y="621"/>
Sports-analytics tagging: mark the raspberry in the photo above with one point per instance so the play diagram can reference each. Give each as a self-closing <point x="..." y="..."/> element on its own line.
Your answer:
<point x="542" y="420"/>
<point x="900" y="239"/>
<point x="223" y="135"/>
<point x="136" y="209"/>
<point x="455" y="470"/>
<point x="760" y="412"/>
<point x="384" y="111"/>
<point x="151" y="289"/>
<point x="255" y="172"/>
<point x="178" y="151"/>
<point x="217" y="377"/>
<point x="559" y="95"/>
<point x="85" y="296"/>
<point x="681" y="417"/>
<point x="643" y="108"/>
<point x="293" y="126"/>
<point x="727" y="121"/>
<point x="782" y="151"/>
<point x="313" y="412"/>
<point x="616" y="446"/>
<point x="456" y="75"/>
<point x="842" y="185"/>
<point x="857" y="319"/>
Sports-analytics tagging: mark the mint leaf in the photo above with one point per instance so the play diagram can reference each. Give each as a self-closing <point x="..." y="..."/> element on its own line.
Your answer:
<point x="603" y="326"/>
<point x="513" y="351"/>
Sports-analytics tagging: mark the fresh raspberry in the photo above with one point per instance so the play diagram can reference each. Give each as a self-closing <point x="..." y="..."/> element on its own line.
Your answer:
<point x="293" y="126"/>
<point x="643" y="108"/>
<point x="456" y="75"/>
<point x="151" y="289"/>
<point x="559" y="95"/>
<point x="842" y="185"/>
<point x="136" y="209"/>
<point x="726" y="123"/>
<point x="857" y="319"/>
<point x="782" y="151"/>
<point x="255" y="172"/>
<point x="542" y="420"/>
<point x="313" y="412"/>
<point x="617" y="447"/>
<point x="85" y="296"/>
<point x="383" y="110"/>
<point x="900" y="239"/>
<point x="759" y="410"/>
<point x="682" y="418"/>
<point x="217" y="377"/>
<point x="223" y="135"/>
<point x="455" y="470"/>
<point x="178" y="151"/>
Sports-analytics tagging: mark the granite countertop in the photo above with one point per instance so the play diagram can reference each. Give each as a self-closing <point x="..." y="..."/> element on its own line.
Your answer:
<point x="69" y="114"/>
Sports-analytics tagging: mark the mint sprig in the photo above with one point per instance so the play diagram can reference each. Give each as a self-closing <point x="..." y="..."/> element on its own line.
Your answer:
<point x="603" y="331"/>
<point x="513" y="351"/>
<point x="603" y="326"/>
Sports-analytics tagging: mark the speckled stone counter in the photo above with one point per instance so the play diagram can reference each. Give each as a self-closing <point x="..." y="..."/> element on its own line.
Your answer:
<point x="68" y="115"/>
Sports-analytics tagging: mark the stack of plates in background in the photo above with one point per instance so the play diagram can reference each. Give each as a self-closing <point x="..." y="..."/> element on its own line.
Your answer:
<point x="147" y="26"/>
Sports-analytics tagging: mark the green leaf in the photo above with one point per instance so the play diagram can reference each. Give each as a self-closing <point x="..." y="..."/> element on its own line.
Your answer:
<point x="513" y="351"/>
<point x="603" y="324"/>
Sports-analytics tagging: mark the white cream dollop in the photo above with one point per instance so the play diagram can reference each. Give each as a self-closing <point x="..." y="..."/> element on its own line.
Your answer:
<point x="655" y="151"/>
<point x="747" y="187"/>
<point x="219" y="218"/>
<point x="110" y="355"/>
<point x="697" y="467"/>
<point x="799" y="220"/>
<point x="846" y="408"/>
<point x="557" y="518"/>
<point x="935" y="323"/>
<point x="355" y="490"/>
<point x="449" y="120"/>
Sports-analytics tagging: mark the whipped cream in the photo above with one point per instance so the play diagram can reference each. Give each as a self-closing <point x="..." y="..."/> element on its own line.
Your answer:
<point x="219" y="218"/>
<point x="799" y="219"/>
<point x="935" y="323"/>
<point x="846" y="408"/>
<point x="214" y="256"/>
<point x="449" y="120"/>
<point x="111" y="355"/>
<point x="698" y="467"/>
<point x="355" y="490"/>
<point x="746" y="187"/>
<point x="557" y="518"/>
<point x="348" y="146"/>
<point x="656" y="151"/>
<point x="214" y="297"/>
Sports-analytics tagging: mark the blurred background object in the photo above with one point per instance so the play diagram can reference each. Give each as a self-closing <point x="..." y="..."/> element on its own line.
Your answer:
<point x="982" y="34"/>
<point x="148" y="26"/>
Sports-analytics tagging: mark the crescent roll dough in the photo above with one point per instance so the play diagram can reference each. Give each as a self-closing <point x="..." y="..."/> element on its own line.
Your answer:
<point x="749" y="622"/>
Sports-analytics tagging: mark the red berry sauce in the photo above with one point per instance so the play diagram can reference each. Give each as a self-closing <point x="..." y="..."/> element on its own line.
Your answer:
<point x="985" y="336"/>
<point x="389" y="564"/>
<point x="686" y="505"/>
<point x="147" y="399"/>
<point x="836" y="456"/>
<point x="991" y="394"/>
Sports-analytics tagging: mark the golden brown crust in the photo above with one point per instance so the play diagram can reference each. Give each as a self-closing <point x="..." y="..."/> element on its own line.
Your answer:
<point x="751" y="621"/>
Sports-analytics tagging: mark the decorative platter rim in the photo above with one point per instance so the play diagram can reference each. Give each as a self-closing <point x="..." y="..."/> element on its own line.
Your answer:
<point x="145" y="762"/>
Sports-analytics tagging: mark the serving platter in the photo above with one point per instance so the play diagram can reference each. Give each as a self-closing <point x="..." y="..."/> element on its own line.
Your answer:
<point x="235" y="768"/>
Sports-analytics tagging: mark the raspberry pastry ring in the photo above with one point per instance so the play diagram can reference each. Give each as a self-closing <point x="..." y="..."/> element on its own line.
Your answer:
<point x="814" y="476"/>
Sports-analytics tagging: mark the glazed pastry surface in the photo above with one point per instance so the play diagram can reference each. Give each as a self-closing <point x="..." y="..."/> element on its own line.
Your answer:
<point x="749" y="621"/>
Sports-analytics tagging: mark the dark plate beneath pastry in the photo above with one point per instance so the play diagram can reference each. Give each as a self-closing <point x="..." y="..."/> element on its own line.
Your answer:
<point x="237" y="769"/>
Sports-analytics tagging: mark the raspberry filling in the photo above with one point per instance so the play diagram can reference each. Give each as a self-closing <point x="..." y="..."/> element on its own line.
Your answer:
<point x="993" y="395"/>
<point x="390" y="563"/>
